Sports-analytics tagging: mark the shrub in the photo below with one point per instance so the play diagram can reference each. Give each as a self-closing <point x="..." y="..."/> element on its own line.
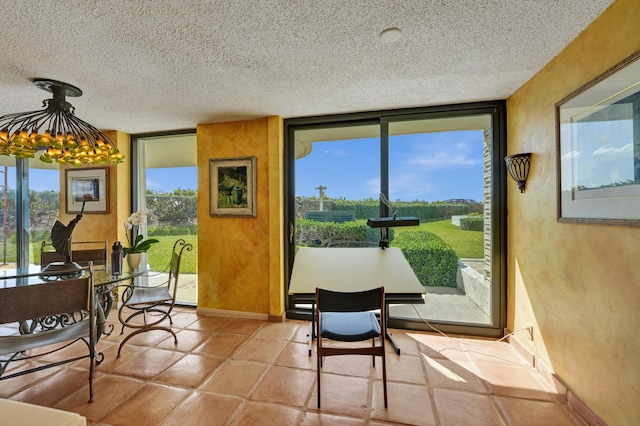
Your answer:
<point x="311" y="233"/>
<point x="433" y="261"/>
<point x="160" y="231"/>
<point x="472" y="223"/>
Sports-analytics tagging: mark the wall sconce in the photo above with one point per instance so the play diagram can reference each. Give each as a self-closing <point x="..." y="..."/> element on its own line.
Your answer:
<point x="518" y="166"/>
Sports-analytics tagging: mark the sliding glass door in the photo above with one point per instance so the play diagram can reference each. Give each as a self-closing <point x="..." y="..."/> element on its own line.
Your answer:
<point x="442" y="165"/>
<point x="29" y="206"/>
<point x="166" y="183"/>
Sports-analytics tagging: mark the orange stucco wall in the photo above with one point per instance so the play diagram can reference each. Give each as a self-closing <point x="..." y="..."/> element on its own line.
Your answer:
<point x="240" y="258"/>
<point x="577" y="284"/>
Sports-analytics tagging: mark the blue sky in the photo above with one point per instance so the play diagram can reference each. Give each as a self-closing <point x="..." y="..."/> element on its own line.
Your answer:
<point x="166" y="179"/>
<point x="425" y="167"/>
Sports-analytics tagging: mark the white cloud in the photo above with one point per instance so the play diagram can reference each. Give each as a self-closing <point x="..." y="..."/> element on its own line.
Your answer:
<point x="611" y="151"/>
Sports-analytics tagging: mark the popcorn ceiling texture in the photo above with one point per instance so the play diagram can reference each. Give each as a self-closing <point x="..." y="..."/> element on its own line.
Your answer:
<point x="148" y="66"/>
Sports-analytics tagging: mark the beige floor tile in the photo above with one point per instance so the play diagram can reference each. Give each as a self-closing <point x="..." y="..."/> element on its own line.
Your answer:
<point x="210" y="323"/>
<point x="260" y="414"/>
<point x="286" y="386"/>
<point x="148" y="364"/>
<point x="278" y="331"/>
<point x="447" y="374"/>
<point x="64" y="382"/>
<point x="402" y="368"/>
<point x="437" y="346"/>
<point x="155" y="401"/>
<point x="243" y="326"/>
<point x="236" y="378"/>
<point x="524" y="412"/>
<point x="343" y="395"/>
<point x="302" y="333"/>
<point x="456" y="407"/>
<point x="508" y="380"/>
<point x="407" y="344"/>
<point x="408" y="404"/>
<point x="297" y="355"/>
<point x="191" y="370"/>
<point x="221" y="344"/>
<point x="182" y="319"/>
<point x="202" y="409"/>
<point x="350" y="365"/>
<point x="14" y="385"/>
<point x="323" y="419"/>
<point x="260" y="350"/>
<point x="244" y="371"/>
<point x="492" y="352"/>
<point x="109" y="392"/>
<point x="188" y="340"/>
<point x="110" y="360"/>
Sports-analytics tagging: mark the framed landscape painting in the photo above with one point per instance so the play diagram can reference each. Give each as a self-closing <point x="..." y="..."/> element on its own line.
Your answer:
<point x="232" y="186"/>
<point x="88" y="186"/>
<point x="598" y="149"/>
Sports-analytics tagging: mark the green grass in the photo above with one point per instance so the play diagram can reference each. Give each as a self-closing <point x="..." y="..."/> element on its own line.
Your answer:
<point x="466" y="244"/>
<point x="160" y="253"/>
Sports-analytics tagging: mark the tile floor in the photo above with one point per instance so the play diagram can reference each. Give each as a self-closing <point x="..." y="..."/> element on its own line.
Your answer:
<point x="233" y="371"/>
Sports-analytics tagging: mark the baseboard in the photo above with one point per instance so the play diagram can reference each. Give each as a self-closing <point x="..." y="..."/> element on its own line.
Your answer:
<point x="577" y="405"/>
<point x="278" y="318"/>
<point x="235" y="314"/>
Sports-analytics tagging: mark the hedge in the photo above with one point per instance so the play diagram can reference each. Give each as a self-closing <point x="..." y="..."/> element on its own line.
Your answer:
<point x="311" y="233"/>
<point x="472" y="223"/>
<point x="422" y="210"/>
<point x="433" y="261"/>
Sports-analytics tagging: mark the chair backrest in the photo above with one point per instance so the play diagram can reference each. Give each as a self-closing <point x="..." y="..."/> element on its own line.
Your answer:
<point x="337" y="301"/>
<point x="24" y="302"/>
<point x="82" y="252"/>
<point x="176" y="257"/>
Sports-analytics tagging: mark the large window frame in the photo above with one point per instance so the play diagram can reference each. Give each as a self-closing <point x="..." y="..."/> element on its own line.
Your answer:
<point x="497" y="111"/>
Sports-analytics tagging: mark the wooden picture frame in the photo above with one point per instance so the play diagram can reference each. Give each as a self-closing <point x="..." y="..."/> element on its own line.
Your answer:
<point x="90" y="184"/>
<point x="598" y="149"/>
<point x="232" y="186"/>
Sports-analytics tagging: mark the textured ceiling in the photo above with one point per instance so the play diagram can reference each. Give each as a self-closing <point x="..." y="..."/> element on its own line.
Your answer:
<point x="156" y="65"/>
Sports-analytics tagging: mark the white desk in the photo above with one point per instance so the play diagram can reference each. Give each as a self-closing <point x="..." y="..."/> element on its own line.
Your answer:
<point x="17" y="413"/>
<point x="354" y="269"/>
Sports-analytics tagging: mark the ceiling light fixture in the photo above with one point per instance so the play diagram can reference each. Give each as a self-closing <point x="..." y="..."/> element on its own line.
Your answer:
<point x="390" y="35"/>
<point x="66" y="138"/>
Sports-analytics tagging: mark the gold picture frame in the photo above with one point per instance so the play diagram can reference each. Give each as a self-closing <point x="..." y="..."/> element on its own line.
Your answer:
<point x="232" y="189"/>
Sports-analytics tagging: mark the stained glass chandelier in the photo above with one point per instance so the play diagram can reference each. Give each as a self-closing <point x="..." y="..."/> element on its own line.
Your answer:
<point x="65" y="138"/>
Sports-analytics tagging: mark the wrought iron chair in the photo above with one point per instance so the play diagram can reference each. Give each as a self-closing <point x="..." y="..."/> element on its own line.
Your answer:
<point x="350" y="317"/>
<point x="153" y="303"/>
<point x="82" y="252"/>
<point x="53" y="314"/>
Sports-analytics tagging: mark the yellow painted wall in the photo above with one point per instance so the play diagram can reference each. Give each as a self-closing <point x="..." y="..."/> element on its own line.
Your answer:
<point x="577" y="284"/>
<point x="240" y="258"/>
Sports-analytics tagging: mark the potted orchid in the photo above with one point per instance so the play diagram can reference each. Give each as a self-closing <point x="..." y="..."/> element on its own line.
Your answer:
<point x="140" y="245"/>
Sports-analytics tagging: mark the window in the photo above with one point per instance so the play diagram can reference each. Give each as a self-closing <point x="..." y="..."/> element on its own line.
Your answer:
<point x="442" y="165"/>
<point x="166" y="182"/>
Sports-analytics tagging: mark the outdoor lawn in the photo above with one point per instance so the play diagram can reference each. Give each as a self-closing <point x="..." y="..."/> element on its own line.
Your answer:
<point x="466" y="244"/>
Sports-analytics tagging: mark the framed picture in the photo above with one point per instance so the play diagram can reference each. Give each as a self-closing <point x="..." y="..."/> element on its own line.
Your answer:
<point x="88" y="185"/>
<point x="232" y="186"/>
<point x="598" y="149"/>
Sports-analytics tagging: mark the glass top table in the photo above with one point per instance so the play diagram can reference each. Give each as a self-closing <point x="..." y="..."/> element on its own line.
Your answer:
<point x="104" y="283"/>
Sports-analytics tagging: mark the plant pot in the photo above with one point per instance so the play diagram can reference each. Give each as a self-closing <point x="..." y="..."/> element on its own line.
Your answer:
<point x="133" y="259"/>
